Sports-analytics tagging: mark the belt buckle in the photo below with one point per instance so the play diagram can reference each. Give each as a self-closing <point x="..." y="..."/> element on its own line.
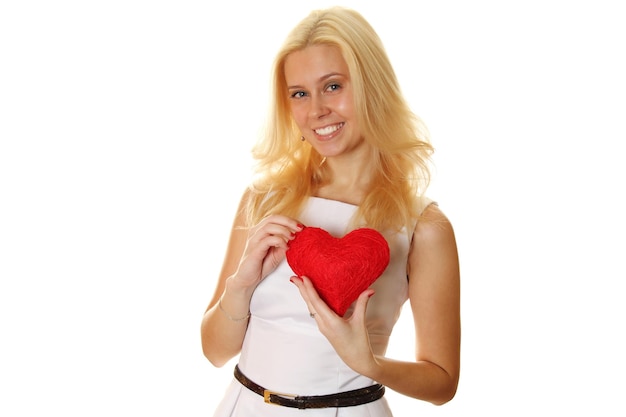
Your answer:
<point x="267" y="396"/>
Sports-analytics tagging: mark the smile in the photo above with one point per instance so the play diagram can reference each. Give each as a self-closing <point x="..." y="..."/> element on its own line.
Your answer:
<point x="329" y="129"/>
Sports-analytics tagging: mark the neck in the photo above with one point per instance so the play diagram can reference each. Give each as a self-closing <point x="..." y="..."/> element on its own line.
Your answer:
<point x="350" y="177"/>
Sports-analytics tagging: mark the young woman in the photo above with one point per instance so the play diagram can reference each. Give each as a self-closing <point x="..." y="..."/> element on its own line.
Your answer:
<point x="342" y="151"/>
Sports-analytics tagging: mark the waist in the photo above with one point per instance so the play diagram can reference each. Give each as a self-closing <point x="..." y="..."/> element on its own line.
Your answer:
<point x="342" y="399"/>
<point x="297" y="359"/>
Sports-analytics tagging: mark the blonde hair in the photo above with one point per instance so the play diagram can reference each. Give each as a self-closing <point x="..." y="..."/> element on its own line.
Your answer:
<point x="289" y="171"/>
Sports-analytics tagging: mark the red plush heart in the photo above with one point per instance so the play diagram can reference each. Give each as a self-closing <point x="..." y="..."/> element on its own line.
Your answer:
<point x="340" y="268"/>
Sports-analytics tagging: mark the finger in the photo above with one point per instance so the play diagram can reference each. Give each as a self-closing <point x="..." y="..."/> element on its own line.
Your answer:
<point x="259" y="249"/>
<point x="314" y="300"/>
<point x="298" y="282"/>
<point x="360" y="306"/>
<point x="286" y="233"/>
<point x="291" y="225"/>
<point x="272" y="229"/>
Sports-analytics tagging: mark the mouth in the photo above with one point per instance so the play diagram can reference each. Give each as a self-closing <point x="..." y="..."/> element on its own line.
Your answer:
<point x="328" y="130"/>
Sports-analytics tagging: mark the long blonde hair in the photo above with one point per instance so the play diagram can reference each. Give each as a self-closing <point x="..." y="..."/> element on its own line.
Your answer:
<point x="288" y="171"/>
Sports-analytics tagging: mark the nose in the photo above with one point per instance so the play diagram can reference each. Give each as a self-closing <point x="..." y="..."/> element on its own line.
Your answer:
<point x="318" y="107"/>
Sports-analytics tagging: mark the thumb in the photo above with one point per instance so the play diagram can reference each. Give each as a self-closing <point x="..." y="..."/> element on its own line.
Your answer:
<point x="361" y="304"/>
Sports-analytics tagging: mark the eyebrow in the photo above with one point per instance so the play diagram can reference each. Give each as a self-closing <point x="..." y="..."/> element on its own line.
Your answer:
<point x="321" y="79"/>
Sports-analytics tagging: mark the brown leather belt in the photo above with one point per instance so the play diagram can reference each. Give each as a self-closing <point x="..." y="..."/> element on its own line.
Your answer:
<point x="341" y="399"/>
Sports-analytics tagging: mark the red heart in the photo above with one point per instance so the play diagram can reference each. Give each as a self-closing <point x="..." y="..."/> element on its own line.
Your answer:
<point x="340" y="268"/>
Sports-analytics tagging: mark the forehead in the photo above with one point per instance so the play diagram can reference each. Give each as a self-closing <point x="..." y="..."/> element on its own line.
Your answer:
<point x="313" y="63"/>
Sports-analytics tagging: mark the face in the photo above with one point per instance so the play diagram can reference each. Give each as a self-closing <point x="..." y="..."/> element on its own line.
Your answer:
<point x="321" y="98"/>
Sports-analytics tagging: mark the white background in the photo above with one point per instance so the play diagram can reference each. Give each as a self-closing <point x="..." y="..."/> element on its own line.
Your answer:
<point x="125" y="129"/>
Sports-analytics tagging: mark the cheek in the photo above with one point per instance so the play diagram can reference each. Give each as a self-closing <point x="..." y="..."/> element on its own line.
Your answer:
<point x="344" y="106"/>
<point x="299" y="114"/>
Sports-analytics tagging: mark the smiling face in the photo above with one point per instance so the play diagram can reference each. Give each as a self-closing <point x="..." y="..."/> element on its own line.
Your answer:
<point x="321" y="99"/>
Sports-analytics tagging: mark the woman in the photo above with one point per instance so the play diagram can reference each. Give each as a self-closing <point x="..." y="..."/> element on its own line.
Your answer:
<point x="342" y="151"/>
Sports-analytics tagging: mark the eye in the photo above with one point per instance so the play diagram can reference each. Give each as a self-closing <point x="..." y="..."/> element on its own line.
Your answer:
<point x="297" y="94"/>
<point x="333" y="87"/>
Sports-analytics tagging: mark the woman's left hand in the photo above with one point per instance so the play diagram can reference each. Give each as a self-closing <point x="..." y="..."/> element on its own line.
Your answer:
<point x="347" y="335"/>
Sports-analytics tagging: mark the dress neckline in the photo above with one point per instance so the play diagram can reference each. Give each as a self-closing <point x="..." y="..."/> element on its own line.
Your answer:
<point x="333" y="201"/>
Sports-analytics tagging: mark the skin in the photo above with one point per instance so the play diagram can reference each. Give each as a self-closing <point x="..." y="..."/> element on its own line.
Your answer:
<point x="321" y="96"/>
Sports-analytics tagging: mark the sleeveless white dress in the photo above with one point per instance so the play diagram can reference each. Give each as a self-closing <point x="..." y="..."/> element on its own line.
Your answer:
<point x="284" y="351"/>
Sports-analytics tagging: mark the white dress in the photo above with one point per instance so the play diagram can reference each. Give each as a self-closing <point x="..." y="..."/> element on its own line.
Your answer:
<point x="284" y="351"/>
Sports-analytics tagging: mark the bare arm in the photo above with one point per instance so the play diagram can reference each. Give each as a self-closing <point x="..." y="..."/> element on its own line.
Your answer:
<point x="251" y="254"/>
<point x="434" y="293"/>
<point x="221" y="337"/>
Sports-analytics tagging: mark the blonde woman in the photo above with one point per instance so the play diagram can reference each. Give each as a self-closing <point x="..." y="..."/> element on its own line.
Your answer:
<point x="342" y="150"/>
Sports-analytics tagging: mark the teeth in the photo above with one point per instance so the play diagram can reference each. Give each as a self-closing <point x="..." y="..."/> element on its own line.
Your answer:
<point x="328" y="130"/>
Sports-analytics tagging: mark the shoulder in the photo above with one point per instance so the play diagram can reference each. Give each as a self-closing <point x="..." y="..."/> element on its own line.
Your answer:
<point x="246" y="201"/>
<point x="433" y="264"/>
<point x="433" y="230"/>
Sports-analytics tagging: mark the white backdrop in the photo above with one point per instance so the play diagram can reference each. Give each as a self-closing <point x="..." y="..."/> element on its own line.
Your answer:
<point x="125" y="129"/>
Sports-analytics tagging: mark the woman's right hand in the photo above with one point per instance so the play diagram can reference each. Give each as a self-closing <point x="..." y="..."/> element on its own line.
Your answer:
<point x="265" y="248"/>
